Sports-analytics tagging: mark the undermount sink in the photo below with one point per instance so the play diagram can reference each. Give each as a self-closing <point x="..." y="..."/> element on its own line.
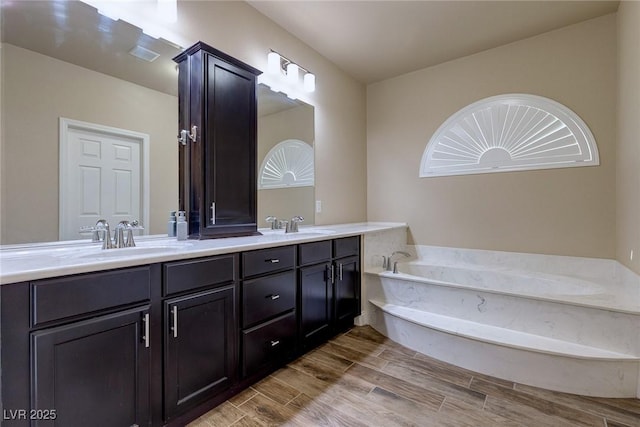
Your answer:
<point x="128" y="252"/>
<point x="304" y="232"/>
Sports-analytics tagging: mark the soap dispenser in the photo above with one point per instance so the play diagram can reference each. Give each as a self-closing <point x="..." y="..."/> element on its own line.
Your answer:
<point x="181" y="226"/>
<point x="171" y="226"/>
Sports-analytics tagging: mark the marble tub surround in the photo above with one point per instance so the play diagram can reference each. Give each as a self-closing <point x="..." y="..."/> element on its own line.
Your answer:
<point x="375" y="245"/>
<point x="594" y="269"/>
<point x="26" y="262"/>
<point x="565" y="333"/>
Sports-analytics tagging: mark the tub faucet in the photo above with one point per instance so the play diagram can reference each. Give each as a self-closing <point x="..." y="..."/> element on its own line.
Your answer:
<point x="395" y="264"/>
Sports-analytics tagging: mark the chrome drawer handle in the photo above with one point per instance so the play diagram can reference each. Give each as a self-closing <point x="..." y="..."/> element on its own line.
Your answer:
<point x="275" y="297"/>
<point x="174" y="327"/>
<point x="272" y="260"/>
<point x="274" y="343"/>
<point x="145" y="319"/>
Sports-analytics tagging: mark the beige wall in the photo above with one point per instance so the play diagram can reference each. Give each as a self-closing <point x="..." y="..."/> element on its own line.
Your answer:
<point x="283" y="203"/>
<point x="628" y="167"/>
<point x="560" y="211"/>
<point x="340" y="101"/>
<point x="38" y="91"/>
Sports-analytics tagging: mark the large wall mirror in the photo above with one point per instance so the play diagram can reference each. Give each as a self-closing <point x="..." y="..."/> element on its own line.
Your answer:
<point x="63" y="60"/>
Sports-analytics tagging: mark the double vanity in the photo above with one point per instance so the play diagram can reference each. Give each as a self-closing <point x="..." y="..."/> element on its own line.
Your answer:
<point x="160" y="333"/>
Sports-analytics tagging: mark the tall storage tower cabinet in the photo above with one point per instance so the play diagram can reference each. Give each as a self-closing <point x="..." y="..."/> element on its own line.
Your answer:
<point x="218" y="136"/>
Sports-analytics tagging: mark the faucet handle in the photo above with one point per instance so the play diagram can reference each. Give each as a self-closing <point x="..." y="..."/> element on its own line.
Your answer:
<point x="273" y="221"/>
<point x="293" y="224"/>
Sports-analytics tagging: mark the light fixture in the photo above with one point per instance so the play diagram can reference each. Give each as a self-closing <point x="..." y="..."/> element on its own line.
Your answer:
<point x="292" y="73"/>
<point x="283" y="75"/>
<point x="309" y="82"/>
<point x="168" y="10"/>
<point x="273" y="62"/>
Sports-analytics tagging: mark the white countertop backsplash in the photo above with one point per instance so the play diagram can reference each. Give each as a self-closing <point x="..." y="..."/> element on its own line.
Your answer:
<point x="19" y="263"/>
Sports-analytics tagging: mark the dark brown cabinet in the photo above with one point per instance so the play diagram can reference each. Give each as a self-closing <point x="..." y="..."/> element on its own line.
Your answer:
<point x="200" y="347"/>
<point x="94" y="372"/>
<point x="330" y="290"/>
<point x="200" y="329"/>
<point x="347" y="292"/>
<point x="161" y="344"/>
<point x="269" y="301"/>
<point x="218" y="108"/>
<point x="316" y="296"/>
<point x="76" y="350"/>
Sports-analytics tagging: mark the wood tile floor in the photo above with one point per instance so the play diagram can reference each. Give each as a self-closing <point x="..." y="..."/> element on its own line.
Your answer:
<point x="361" y="378"/>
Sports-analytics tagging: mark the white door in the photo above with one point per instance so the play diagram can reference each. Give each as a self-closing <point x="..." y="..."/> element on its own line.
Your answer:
<point x="101" y="174"/>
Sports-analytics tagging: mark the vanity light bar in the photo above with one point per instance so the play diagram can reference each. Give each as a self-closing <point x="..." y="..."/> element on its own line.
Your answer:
<point x="278" y="64"/>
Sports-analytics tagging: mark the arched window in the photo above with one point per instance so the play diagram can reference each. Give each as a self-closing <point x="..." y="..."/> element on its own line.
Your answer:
<point x="511" y="132"/>
<point x="288" y="164"/>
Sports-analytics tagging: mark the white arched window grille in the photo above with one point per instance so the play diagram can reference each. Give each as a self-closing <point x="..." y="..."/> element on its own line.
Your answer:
<point x="511" y="132"/>
<point x="288" y="164"/>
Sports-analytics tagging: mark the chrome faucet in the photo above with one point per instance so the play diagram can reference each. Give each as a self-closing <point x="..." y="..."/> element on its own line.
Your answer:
<point x="118" y="237"/>
<point x="102" y="232"/>
<point x="395" y="263"/>
<point x="292" y="226"/>
<point x="102" y="227"/>
<point x="275" y="224"/>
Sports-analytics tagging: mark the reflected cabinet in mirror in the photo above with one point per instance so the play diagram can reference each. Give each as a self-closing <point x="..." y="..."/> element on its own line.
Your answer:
<point x="63" y="60"/>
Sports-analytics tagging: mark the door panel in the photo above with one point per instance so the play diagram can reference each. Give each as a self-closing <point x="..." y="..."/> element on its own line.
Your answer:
<point x="103" y="179"/>
<point x="201" y="347"/>
<point x="347" y="291"/>
<point x="315" y="304"/>
<point x="94" y="372"/>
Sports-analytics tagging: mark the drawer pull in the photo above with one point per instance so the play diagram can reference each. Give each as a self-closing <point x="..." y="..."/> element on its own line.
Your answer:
<point x="174" y="327"/>
<point x="340" y="272"/>
<point x="275" y="343"/>
<point x="145" y="320"/>
<point x="274" y="297"/>
<point x="272" y="260"/>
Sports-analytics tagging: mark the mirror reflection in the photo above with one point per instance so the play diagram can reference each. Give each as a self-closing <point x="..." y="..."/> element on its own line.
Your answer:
<point x="62" y="60"/>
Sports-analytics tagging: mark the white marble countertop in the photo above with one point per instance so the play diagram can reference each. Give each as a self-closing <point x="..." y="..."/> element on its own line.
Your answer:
<point x="19" y="263"/>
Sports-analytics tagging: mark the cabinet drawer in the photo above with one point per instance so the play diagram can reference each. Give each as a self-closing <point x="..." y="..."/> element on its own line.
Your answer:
<point x="267" y="260"/>
<point x="312" y="253"/>
<point x="348" y="246"/>
<point x="56" y="299"/>
<point x="268" y="344"/>
<point x="193" y="274"/>
<point x="268" y="296"/>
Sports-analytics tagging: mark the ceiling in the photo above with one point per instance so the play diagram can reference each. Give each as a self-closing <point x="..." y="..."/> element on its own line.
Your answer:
<point x="369" y="40"/>
<point x="377" y="40"/>
<point x="75" y="32"/>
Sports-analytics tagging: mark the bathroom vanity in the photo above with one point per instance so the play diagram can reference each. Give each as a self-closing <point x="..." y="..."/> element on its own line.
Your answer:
<point x="161" y="333"/>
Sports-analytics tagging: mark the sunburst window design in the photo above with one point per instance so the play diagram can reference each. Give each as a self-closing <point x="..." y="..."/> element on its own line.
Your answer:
<point x="288" y="164"/>
<point x="510" y="132"/>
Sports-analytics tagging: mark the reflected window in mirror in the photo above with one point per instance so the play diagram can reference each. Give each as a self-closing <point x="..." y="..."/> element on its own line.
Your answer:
<point x="285" y="133"/>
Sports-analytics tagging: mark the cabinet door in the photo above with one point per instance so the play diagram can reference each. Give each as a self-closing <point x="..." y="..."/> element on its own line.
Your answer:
<point x="347" y="291"/>
<point x="230" y="148"/>
<point x="200" y="347"/>
<point x="94" y="372"/>
<point x="315" y="304"/>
